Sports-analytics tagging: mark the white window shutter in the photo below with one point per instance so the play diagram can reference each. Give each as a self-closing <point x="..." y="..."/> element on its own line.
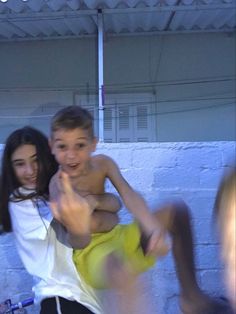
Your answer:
<point x="109" y="125"/>
<point x="141" y="123"/>
<point x="127" y="117"/>
<point x="124" y="124"/>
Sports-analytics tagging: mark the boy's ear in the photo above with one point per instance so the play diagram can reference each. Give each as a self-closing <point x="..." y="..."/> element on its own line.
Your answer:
<point x="95" y="141"/>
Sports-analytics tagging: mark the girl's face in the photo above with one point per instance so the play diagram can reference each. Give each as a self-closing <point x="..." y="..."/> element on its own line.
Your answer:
<point x="25" y="165"/>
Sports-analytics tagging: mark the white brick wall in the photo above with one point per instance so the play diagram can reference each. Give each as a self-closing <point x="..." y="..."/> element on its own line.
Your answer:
<point x="159" y="171"/>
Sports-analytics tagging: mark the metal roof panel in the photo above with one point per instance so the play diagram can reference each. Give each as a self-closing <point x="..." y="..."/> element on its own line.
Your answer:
<point x="47" y="19"/>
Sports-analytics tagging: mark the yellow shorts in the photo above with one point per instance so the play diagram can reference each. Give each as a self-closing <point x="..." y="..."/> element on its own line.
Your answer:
<point x="124" y="241"/>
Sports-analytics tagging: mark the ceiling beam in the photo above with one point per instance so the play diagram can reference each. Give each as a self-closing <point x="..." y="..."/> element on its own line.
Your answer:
<point x="82" y="12"/>
<point x="154" y="33"/>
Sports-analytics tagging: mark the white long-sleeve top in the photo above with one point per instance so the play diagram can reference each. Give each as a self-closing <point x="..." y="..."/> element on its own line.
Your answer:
<point x="41" y="244"/>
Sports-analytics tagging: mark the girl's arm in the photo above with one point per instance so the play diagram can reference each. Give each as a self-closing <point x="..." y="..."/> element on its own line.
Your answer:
<point x="104" y="202"/>
<point x="103" y="221"/>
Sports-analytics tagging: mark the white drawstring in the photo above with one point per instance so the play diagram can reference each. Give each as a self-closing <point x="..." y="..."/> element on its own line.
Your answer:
<point x="58" y="305"/>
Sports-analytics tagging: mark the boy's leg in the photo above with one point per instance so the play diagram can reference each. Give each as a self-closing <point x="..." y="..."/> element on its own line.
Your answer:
<point x="129" y="293"/>
<point x="175" y="218"/>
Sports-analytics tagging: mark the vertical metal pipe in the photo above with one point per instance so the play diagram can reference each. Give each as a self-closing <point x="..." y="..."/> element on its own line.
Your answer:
<point x="100" y="78"/>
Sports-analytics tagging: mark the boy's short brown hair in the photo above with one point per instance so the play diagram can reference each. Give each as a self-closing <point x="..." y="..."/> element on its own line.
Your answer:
<point x="73" y="117"/>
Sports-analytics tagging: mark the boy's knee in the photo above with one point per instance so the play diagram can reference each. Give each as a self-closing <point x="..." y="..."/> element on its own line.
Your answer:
<point x="181" y="209"/>
<point x="181" y="217"/>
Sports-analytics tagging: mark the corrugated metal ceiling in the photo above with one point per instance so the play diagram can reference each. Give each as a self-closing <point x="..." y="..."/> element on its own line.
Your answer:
<point x="50" y="19"/>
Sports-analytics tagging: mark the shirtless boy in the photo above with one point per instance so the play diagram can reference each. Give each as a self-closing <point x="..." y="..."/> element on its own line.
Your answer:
<point x="73" y="143"/>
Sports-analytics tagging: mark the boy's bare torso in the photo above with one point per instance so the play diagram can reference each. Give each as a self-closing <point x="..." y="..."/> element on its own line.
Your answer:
<point x="92" y="179"/>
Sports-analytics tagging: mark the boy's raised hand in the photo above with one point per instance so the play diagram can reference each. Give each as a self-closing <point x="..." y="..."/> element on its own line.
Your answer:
<point x="72" y="211"/>
<point x="159" y="243"/>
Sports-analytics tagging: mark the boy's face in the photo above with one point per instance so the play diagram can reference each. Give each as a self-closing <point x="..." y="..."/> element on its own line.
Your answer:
<point x="72" y="150"/>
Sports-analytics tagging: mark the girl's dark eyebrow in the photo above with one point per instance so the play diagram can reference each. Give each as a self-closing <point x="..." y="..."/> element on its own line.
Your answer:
<point x="16" y="160"/>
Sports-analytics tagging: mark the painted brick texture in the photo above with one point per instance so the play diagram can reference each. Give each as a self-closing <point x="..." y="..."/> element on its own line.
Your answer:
<point x="160" y="172"/>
